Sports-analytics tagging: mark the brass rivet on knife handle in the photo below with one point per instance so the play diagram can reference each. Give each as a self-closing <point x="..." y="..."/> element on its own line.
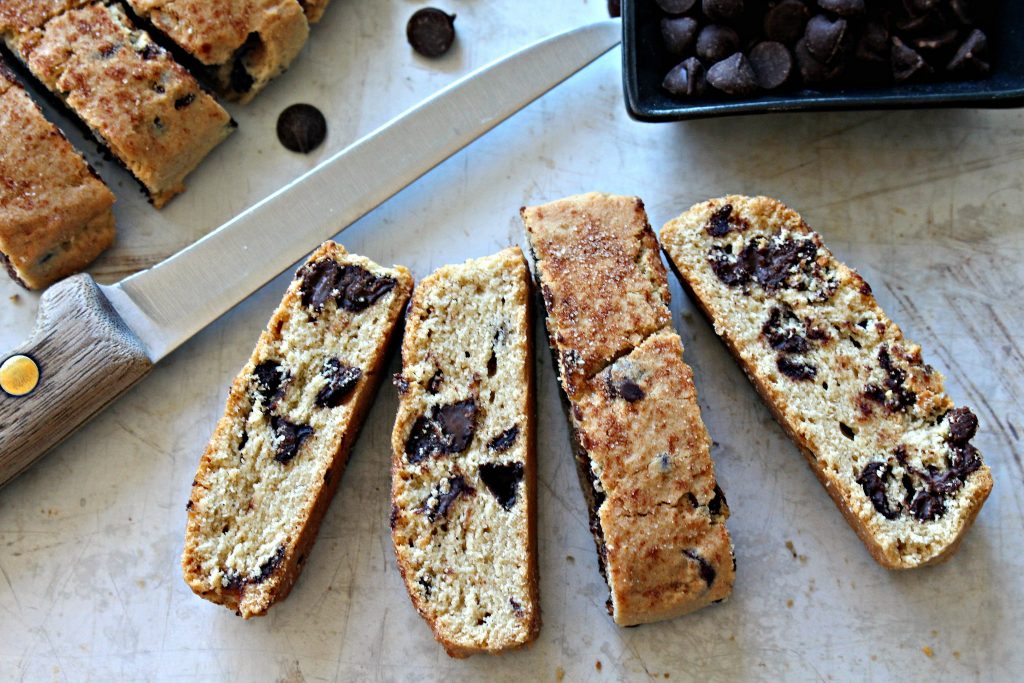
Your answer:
<point x="88" y="356"/>
<point x="19" y="375"/>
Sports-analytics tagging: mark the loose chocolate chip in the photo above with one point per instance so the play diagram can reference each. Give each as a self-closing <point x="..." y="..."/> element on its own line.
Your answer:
<point x="795" y="369"/>
<point x="785" y="21"/>
<point x="733" y="76"/>
<point x="676" y="6"/>
<point x="963" y="424"/>
<point x="716" y="42"/>
<point x="440" y="502"/>
<point x="184" y="101"/>
<point x="967" y="60"/>
<point x="722" y="10"/>
<point x="873" y="45"/>
<point x="502" y="442"/>
<point x="269" y="381"/>
<point x="430" y="31"/>
<point x="707" y="572"/>
<point x="718" y="225"/>
<point x="318" y="282"/>
<point x="782" y="330"/>
<point x="268" y="567"/>
<point x="812" y="71"/>
<point x="906" y="62"/>
<point x="448" y="429"/>
<point x="502" y="481"/>
<point x="772" y="64"/>
<point x="301" y="128"/>
<point x="290" y="437"/>
<point x="358" y="288"/>
<point x="686" y="79"/>
<point x="825" y="38"/>
<point x="679" y="34"/>
<point x="844" y="8"/>
<point x="341" y="380"/>
<point x="873" y="480"/>
<point x="434" y="385"/>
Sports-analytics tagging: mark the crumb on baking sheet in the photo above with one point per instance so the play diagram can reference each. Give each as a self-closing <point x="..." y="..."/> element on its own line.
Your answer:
<point x="559" y="674"/>
<point x="15" y="298"/>
<point x="928" y="651"/>
<point x="597" y="665"/>
<point x="789" y="603"/>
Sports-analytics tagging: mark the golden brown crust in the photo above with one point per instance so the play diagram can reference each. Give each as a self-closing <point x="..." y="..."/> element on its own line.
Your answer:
<point x="55" y="213"/>
<point x="642" y="450"/>
<point x="219" y="463"/>
<point x="150" y="113"/>
<point x="845" y="379"/>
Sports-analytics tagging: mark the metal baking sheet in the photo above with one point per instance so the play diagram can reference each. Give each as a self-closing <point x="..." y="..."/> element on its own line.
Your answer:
<point x="926" y="205"/>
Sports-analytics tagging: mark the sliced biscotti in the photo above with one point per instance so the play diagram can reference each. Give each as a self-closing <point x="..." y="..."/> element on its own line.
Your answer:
<point x="278" y="453"/>
<point x="242" y="43"/>
<point x="55" y="213"/>
<point x="643" y="453"/>
<point x="143" y="106"/>
<point x="869" y="414"/>
<point x="463" y="471"/>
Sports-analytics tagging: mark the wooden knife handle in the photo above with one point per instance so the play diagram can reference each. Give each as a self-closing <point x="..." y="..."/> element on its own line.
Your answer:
<point x="86" y="357"/>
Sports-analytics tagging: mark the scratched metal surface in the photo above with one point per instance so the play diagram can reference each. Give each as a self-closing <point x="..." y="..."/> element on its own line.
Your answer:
<point x="926" y="204"/>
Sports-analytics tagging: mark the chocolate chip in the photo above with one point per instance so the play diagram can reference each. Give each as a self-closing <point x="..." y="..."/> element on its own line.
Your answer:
<point x="240" y="80"/>
<point x="873" y="480"/>
<point x="718" y="502"/>
<point x="772" y="64"/>
<point x="434" y="385"/>
<point x="400" y="383"/>
<point x="967" y="61"/>
<point x="716" y="42"/>
<point x="358" y="288"/>
<point x="894" y="396"/>
<point x="927" y="505"/>
<point x="676" y="6"/>
<point x="502" y="481"/>
<point x="785" y="21"/>
<point x="718" y="225"/>
<point x="629" y="390"/>
<point x="448" y="429"/>
<point x="707" y="572"/>
<point x="301" y="128"/>
<point x="516" y="607"/>
<point x="847" y="431"/>
<point x="108" y="51"/>
<point x="184" y="101"/>
<point x="430" y="31"/>
<point x="782" y="330"/>
<point x="502" y="442"/>
<point x="614" y="8"/>
<point x="771" y="262"/>
<point x="686" y="79"/>
<point x="844" y="8"/>
<point x="722" y="10"/>
<point x="963" y="424"/>
<point x="150" y="51"/>
<point x="341" y="380"/>
<point x="440" y="502"/>
<point x="873" y="45"/>
<point x="812" y="71"/>
<point x="679" y="34"/>
<point x="826" y="39"/>
<point x="318" y="282"/>
<point x="269" y="382"/>
<point x="906" y="62"/>
<point x="795" y="369"/>
<point x="243" y="440"/>
<point x="289" y="438"/>
<point x="426" y="584"/>
<point x="733" y="76"/>
<point x="268" y="567"/>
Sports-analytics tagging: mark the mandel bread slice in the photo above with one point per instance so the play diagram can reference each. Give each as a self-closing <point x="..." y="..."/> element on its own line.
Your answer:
<point x="642" y="451"/>
<point x="871" y="417"/>
<point x="463" y="471"/>
<point x="277" y="455"/>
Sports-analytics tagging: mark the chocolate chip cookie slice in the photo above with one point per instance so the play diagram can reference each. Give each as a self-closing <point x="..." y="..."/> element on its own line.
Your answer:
<point x="143" y="106"/>
<point x="278" y="453"/>
<point x="55" y="212"/>
<point x="463" y="472"/>
<point x="642" y="451"/>
<point x="869" y="414"/>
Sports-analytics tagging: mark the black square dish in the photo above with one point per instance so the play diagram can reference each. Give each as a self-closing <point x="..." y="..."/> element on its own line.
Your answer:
<point x="645" y="63"/>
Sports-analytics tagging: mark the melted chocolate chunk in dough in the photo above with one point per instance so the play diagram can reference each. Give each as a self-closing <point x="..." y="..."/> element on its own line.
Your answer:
<point x="782" y="330"/>
<point x="358" y="288"/>
<point x="707" y="572"/>
<point x="318" y="282"/>
<point x="873" y="481"/>
<point x="894" y="395"/>
<point x="502" y="481"/>
<point x="341" y="380"/>
<point x="963" y="424"/>
<point x="795" y="369"/>
<point x="502" y="442"/>
<point x="440" y="503"/>
<point x="269" y="382"/>
<point x="290" y="438"/>
<point x="448" y="429"/>
<point x="769" y="262"/>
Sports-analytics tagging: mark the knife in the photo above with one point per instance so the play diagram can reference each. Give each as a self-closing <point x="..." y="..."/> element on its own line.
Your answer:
<point x="93" y="342"/>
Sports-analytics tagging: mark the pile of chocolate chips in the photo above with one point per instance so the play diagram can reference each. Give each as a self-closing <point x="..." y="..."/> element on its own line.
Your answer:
<point x="742" y="47"/>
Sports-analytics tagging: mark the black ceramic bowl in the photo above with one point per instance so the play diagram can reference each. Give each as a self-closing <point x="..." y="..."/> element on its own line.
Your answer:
<point x="645" y="63"/>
